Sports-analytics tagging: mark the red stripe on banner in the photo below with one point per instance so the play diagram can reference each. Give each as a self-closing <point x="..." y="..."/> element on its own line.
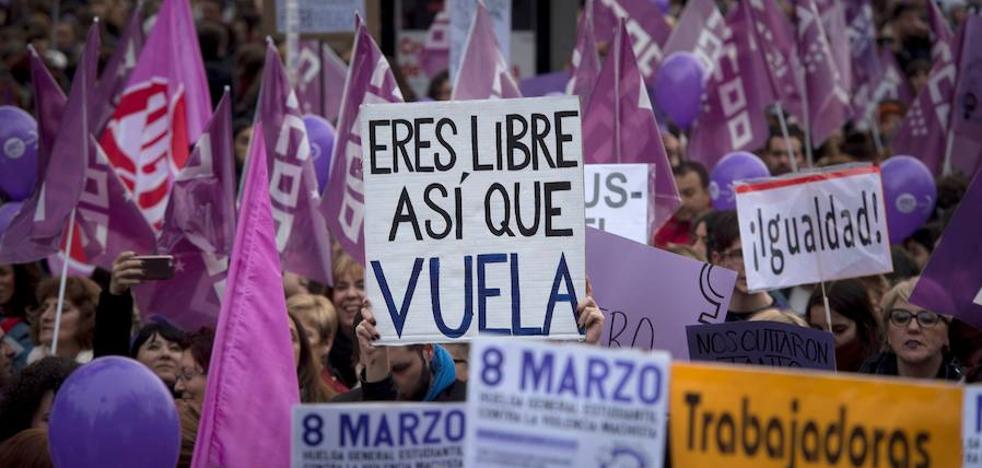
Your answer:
<point x="805" y="179"/>
<point x="153" y="197"/>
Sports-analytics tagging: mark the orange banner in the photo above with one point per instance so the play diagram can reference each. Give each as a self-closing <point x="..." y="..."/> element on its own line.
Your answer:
<point x="748" y="417"/>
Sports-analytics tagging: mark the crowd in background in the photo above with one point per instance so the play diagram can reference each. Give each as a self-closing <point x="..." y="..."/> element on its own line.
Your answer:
<point x="876" y="329"/>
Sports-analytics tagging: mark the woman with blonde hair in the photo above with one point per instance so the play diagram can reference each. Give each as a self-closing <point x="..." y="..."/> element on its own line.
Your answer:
<point x="320" y="321"/>
<point x="348" y="296"/>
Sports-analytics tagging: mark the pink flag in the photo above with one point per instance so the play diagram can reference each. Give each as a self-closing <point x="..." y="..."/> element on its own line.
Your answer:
<point x="941" y="36"/>
<point x="833" y="14"/>
<point x="866" y="66"/>
<point x="702" y="31"/>
<point x="924" y="131"/>
<point x="252" y="378"/>
<point x="966" y="123"/>
<point x="435" y="56"/>
<point x="17" y="245"/>
<point x="320" y="80"/>
<point x="199" y="227"/>
<point x="645" y="24"/>
<point x="827" y="100"/>
<point x="619" y="125"/>
<point x="585" y="61"/>
<point x="162" y="112"/>
<point x="369" y="81"/>
<point x="483" y="72"/>
<point x="774" y="37"/>
<point x="112" y="83"/>
<point x="737" y="95"/>
<point x="301" y="235"/>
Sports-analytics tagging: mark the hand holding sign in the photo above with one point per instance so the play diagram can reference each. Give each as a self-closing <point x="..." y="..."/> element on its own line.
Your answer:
<point x="591" y="318"/>
<point x="374" y="358"/>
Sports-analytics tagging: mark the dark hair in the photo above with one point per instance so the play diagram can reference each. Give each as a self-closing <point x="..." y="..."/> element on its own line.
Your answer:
<point x="200" y="343"/>
<point x="312" y="387"/>
<point x="26" y="449"/>
<point x="904" y="266"/>
<point x="793" y="132"/>
<point x="436" y="83"/>
<point x="26" y="279"/>
<point x="722" y="232"/>
<point x="850" y="299"/>
<point x="686" y="167"/>
<point x="24" y="395"/>
<point x="162" y="329"/>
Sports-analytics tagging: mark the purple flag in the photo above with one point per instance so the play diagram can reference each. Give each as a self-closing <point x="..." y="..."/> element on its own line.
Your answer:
<point x="321" y="80"/>
<point x="369" y="81"/>
<point x="827" y="100"/>
<point x="865" y="64"/>
<point x="966" y="124"/>
<point x="645" y="24"/>
<point x="892" y="83"/>
<point x="199" y="228"/>
<point x="619" y="125"/>
<point x="301" y="235"/>
<point x="112" y="83"/>
<point x="435" y="56"/>
<point x="483" y="72"/>
<point x="941" y="35"/>
<point x="774" y="37"/>
<point x="17" y="244"/>
<point x="952" y="280"/>
<point x="252" y="379"/>
<point x="546" y="84"/>
<point x="701" y="30"/>
<point x="109" y="219"/>
<point x="833" y="14"/>
<point x="585" y="61"/>
<point x="736" y="98"/>
<point x="924" y="131"/>
<point x="652" y="314"/>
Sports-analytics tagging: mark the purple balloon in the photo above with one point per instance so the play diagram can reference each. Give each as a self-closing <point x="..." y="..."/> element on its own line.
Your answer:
<point x="678" y="87"/>
<point x="739" y="165"/>
<point x="18" y="153"/>
<point x="114" y="412"/>
<point x="909" y="194"/>
<point x="663" y="5"/>
<point x="320" y="133"/>
<point x="7" y="213"/>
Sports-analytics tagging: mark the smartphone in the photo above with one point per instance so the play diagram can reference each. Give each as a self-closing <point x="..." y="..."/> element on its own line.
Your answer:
<point x="157" y="267"/>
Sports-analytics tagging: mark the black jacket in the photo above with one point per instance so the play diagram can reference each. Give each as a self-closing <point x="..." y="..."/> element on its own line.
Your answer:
<point x="886" y="364"/>
<point x="385" y="390"/>
<point x="113" y="323"/>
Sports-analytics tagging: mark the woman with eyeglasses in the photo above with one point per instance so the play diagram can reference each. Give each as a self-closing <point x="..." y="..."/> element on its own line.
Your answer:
<point x="917" y="343"/>
<point x="192" y="377"/>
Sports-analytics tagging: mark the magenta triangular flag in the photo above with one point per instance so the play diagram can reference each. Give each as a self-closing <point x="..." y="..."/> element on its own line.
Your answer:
<point x="483" y="72"/>
<point x="648" y="27"/>
<point x="252" y="379"/>
<point x="619" y="125"/>
<point x="370" y="80"/>
<point x="585" y="61"/>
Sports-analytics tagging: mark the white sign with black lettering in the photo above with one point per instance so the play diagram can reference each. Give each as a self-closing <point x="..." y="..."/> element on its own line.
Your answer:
<point x="816" y="226"/>
<point x="972" y="427"/>
<point x="617" y="199"/>
<point x="474" y="219"/>
<point x="356" y="435"/>
<point x="534" y="403"/>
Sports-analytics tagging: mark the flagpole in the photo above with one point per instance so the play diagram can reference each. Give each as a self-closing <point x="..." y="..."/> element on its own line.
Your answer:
<point x="828" y="311"/>
<point x="877" y="139"/>
<point x="946" y="167"/>
<point x="61" y="285"/>
<point x="787" y="139"/>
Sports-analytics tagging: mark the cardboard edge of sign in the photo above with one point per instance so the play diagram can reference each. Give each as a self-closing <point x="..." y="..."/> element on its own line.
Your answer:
<point x="815" y="373"/>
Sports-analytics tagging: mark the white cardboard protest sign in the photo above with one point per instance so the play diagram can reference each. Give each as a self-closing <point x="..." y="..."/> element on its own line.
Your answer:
<point x="972" y="427"/>
<point x="354" y="435"/>
<point x="617" y="199"/>
<point x="322" y="17"/>
<point x="462" y="15"/>
<point x="474" y="218"/>
<point x="533" y="403"/>
<point x="816" y="226"/>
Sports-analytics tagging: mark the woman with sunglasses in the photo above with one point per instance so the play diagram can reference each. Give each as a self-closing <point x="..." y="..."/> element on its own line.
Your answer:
<point x="917" y="342"/>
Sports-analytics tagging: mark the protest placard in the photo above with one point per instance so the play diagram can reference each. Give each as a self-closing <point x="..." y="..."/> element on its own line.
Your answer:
<point x="543" y="404"/>
<point x="474" y="218"/>
<point x="817" y="226"/>
<point x="648" y="295"/>
<point x="378" y="434"/>
<point x="462" y="15"/>
<point x="317" y="17"/>
<point x="972" y="427"/>
<point x="617" y="199"/>
<point x="742" y="417"/>
<point x="763" y="343"/>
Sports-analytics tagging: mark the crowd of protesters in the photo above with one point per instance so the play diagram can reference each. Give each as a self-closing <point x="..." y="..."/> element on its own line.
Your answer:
<point x="876" y="329"/>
